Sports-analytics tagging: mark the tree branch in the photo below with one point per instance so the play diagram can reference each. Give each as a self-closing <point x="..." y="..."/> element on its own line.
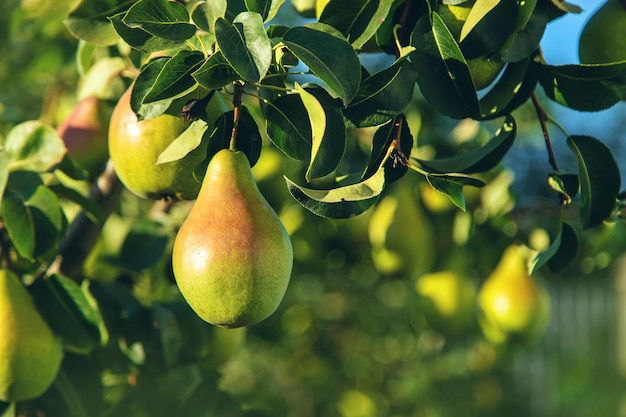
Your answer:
<point x="83" y="232"/>
<point x="543" y="118"/>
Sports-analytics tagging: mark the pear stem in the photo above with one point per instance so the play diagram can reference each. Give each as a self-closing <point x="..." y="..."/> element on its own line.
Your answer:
<point x="236" y="113"/>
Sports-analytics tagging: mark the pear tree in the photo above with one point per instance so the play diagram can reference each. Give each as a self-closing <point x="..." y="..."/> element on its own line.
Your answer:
<point x="216" y="151"/>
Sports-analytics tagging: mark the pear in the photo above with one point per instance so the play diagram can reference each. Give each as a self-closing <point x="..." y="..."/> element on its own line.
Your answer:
<point x="135" y="146"/>
<point x="232" y="257"/>
<point x="85" y="132"/>
<point x="603" y="38"/>
<point x="512" y="305"/>
<point x="30" y="354"/>
<point x="400" y="234"/>
<point x="447" y="300"/>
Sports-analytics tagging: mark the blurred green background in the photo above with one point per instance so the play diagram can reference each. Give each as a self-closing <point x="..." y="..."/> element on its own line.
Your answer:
<point x="348" y="340"/>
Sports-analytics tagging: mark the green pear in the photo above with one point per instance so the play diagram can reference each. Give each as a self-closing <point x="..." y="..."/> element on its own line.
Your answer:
<point x="84" y="132"/>
<point x="232" y="257"/>
<point x="603" y="38"/>
<point x="135" y="146"/>
<point x="400" y="235"/>
<point x="447" y="300"/>
<point x="512" y="305"/>
<point x="30" y="354"/>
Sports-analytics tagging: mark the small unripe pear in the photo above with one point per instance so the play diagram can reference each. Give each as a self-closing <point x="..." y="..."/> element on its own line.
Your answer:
<point x="84" y="132"/>
<point x="232" y="257"/>
<point x="30" y="354"/>
<point x="135" y="146"/>
<point x="603" y="38"/>
<point x="513" y="306"/>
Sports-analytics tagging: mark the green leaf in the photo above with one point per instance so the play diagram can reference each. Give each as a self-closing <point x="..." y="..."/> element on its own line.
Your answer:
<point x="79" y="384"/>
<point x="442" y="72"/>
<point x="175" y="79"/>
<point x="161" y="18"/>
<point x="143" y="85"/>
<point x="288" y="126"/>
<point x="328" y="55"/>
<point x="143" y="246"/>
<point x="489" y="25"/>
<point x="342" y="202"/>
<point x="4" y="171"/>
<point x="35" y="146"/>
<point x="69" y="312"/>
<point x="139" y="38"/>
<point x="186" y="142"/>
<point x="584" y="87"/>
<point x="245" y="45"/>
<point x="561" y="252"/>
<point x="357" y="20"/>
<point x="31" y="213"/>
<point x="478" y="160"/>
<point x="383" y="96"/>
<point x="328" y="132"/>
<point x="599" y="177"/>
<point x="205" y="13"/>
<point x="527" y="40"/>
<point x="72" y="194"/>
<point x="383" y="139"/>
<point x="88" y="20"/>
<point x="452" y="186"/>
<point x="513" y="87"/>
<point x="215" y="72"/>
<point x="266" y="8"/>
<point x="248" y="139"/>
<point x="169" y="332"/>
<point x="565" y="184"/>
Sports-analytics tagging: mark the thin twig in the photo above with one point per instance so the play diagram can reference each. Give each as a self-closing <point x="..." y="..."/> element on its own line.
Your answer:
<point x="543" y="118"/>
<point x="236" y="113"/>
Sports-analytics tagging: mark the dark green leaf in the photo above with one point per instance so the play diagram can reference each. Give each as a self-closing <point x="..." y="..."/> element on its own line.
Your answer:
<point x="79" y="384"/>
<point x="342" y="202"/>
<point x="31" y="213"/>
<point x="599" y="177"/>
<point x="442" y="72"/>
<point x="584" y="87"/>
<point x="175" y="79"/>
<point x="288" y="126"/>
<point x="248" y="139"/>
<point x="142" y="87"/>
<point x="205" y="13"/>
<point x="161" y="18"/>
<point x="506" y="93"/>
<point x="215" y="72"/>
<point x="480" y="159"/>
<point x="328" y="140"/>
<point x="169" y="331"/>
<point x="566" y="184"/>
<point x="245" y="45"/>
<point x="33" y="145"/>
<point x="527" y="40"/>
<point x="68" y="311"/>
<point x="266" y="8"/>
<point x="488" y="27"/>
<point x="139" y="38"/>
<point x="383" y="139"/>
<point x="4" y="171"/>
<point x="561" y="252"/>
<point x="452" y="186"/>
<point x="383" y="95"/>
<point x="328" y="55"/>
<point x="143" y="247"/>
<point x="357" y="20"/>
<point x="88" y="20"/>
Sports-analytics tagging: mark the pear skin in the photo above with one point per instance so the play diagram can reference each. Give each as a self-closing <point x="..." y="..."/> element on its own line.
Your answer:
<point x="232" y="257"/>
<point x="85" y="133"/>
<point x="30" y="353"/>
<point x="135" y="146"/>
<point x="603" y="39"/>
